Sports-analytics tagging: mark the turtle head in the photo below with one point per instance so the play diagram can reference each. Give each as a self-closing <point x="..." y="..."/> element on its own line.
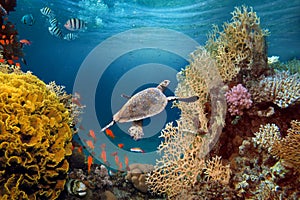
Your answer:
<point x="163" y="85"/>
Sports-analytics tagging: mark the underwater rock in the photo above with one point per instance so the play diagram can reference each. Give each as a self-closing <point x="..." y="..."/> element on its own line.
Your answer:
<point x="137" y="175"/>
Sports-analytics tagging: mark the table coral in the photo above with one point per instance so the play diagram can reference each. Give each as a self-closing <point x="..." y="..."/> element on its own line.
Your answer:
<point x="34" y="141"/>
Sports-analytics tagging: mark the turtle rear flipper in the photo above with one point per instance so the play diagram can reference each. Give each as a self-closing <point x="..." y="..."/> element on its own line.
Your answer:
<point x="108" y="125"/>
<point x="184" y="99"/>
<point x="136" y="129"/>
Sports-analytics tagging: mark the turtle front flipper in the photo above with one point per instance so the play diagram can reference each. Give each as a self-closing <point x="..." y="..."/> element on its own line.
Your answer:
<point x="136" y="130"/>
<point x="184" y="99"/>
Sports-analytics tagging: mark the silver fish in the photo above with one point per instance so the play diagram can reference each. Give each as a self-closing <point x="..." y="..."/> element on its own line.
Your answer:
<point x="53" y="22"/>
<point x="75" y="24"/>
<point x="47" y="12"/>
<point x="70" y="36"/>
<point x="55" y="31"/>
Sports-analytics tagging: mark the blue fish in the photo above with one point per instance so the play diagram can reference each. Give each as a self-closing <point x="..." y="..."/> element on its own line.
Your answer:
<point x="28" y="19"/>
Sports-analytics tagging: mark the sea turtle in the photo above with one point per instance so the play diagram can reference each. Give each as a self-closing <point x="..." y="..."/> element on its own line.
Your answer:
<point x="144" y="104"/>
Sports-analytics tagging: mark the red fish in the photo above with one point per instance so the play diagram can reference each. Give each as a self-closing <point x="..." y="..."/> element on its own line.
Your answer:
<point x="121" y="145"/>
<point x="93" y="135"/>
<point x="110" y="133"/>
<point x="120" y="166"/>
<point x="25" y="42"/>
<point x="89" y="162"/>
<point x="127" y="163"/>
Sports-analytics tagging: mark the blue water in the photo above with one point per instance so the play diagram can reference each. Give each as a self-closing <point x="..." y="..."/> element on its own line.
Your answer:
<point x="54" y="59"/>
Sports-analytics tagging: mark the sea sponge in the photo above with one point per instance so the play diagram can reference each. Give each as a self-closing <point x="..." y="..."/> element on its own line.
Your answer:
<point x="35" y="139"/>
<point x="241" y="45"/>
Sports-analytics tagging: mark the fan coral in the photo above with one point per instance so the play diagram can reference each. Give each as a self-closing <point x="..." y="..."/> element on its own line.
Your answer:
<point x="288" y="149"/>
<point x="238" y="99"/>
<point x="240" y="46"/>
<point x="215" y="171"/>
<point x="34" y="141"/>
<point x="282" y="89"/>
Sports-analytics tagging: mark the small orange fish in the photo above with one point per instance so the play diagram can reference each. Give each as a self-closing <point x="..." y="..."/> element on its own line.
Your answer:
<point x="90" y="144"/>
<point x="117" y="160"/>
<point x="25" y="41"/>
<point x="89" y="162"/>
<point x="2" y="60"/>
<point x="121" y="145"/>
<point x="18" y="65"/>
<point x="10" y="62"/>
<point x="79" y="149"/>
<point x="120" y="166"/>
<point x="110" y="133"/>
<point x="2" y="42"/>
<point x="127" y="163"/>
<point x="3" y="26"/>
<point x="114" y="153"/>
<point x="93" y="135"/>
<point x="103" y="153"/>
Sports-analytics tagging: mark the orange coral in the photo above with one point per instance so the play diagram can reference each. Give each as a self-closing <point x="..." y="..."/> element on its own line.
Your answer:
<point x="35" y="139"/>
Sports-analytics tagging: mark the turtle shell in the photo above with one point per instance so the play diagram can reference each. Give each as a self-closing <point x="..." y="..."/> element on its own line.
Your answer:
<point x="145" y="103"/>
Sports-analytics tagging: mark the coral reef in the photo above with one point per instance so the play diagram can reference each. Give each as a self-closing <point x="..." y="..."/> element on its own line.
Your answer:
<point x="240" y="47"/>
<point x="34" y="141"/>
<point x="137" y="175"/>
<point x="238" y="99"/>
<point x="282" y="89"/>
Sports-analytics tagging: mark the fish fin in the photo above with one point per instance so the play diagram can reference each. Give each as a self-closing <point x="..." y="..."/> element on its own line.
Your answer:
<point x="108" y="125"/>
<point x="125" y="96"/>
<point x="184" y="99"/>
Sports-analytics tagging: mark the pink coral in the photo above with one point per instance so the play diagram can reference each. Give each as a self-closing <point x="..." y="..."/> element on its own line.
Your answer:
<point x="238" y="98"/>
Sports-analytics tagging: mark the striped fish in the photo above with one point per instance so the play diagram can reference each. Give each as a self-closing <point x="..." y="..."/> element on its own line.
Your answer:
<point x="47" y="12"/>
<point x="55" y="31"/>
<point x="53" y="22"/>
<point x="70" y="36"/>
<point x="75" y="24"/>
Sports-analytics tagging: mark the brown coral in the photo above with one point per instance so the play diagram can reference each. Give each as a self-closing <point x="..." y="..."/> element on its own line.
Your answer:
<point x="35" y="137"/>
<point x="288" y="149"/>
<point x="241" y="45"/>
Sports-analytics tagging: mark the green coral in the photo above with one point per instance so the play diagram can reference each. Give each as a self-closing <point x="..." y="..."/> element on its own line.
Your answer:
<point x="35" y="139"/>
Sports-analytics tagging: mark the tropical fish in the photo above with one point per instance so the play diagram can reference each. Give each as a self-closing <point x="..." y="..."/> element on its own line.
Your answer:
<point x="137" y="150"/>
<point x="25" y="41"/>
<point x="55" y="31"/>
<point x="110" y="133"/>
<point x="103" y="154"/>
<point x="90" y="144"/>
<point x="75" y="24"/>
<point x="28" y="19"/>
<point x="120" y="166"/>
<point x="89" y="162"/>
<point x="93" y="135"/>
<point x="70" y="36"/>
<point x="127" y="163"/>
<point x="120" y="145"/>
<point x="3" y="12"/>
<point x="53" y="22"/>
<point x="117" y="160"/>
<point x="47" y="12"/>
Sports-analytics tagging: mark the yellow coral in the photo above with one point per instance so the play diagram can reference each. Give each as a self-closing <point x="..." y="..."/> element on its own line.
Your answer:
<point x="288" y="149"/>
<point x="35" y="139"/>
<point x="215" y="171"/>
<point x="240" y="45"/>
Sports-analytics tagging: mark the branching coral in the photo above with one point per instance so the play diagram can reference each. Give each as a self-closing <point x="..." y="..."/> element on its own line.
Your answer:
<point x="288" y="149"/>
<point x="239" y="99"/>
<point x="34" y="141"/>
<point x="267" y="135"/>
<point x="282" y="89"/>
<point x="241" y="45"/>
<point x="216" y="171"/>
